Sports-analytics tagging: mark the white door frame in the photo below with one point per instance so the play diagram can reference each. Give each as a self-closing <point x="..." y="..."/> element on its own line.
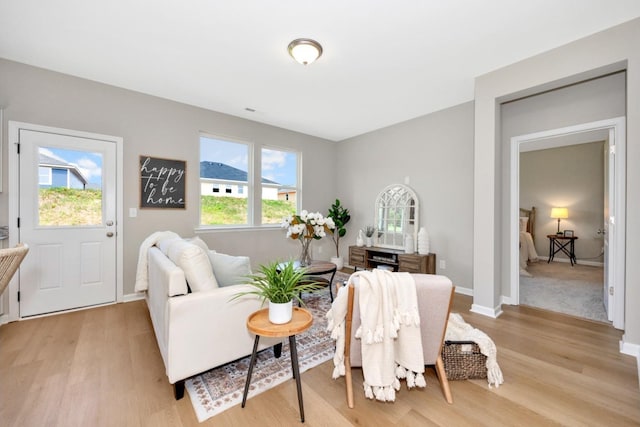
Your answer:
<point x="14" y="188"/>
<point x="616" y="127"/>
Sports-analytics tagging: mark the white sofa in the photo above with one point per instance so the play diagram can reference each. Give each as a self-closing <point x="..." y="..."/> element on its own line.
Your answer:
<point x="200" y="330"/>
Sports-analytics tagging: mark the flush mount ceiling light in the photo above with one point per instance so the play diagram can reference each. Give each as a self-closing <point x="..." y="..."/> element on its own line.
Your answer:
<point x="305" y="51"/>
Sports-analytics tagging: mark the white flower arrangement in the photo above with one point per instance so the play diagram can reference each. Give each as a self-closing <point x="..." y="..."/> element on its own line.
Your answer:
<point x="307" y="225"/>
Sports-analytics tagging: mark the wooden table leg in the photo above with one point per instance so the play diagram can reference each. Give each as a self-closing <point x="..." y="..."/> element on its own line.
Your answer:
<point x="251" y="365"/>
<point x="296" y="372"/>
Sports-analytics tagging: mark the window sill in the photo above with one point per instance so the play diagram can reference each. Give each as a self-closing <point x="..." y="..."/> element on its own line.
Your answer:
<point x="236" y="228"/>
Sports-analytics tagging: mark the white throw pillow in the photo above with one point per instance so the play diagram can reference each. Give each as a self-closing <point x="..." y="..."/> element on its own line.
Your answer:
<point x="230" y="270"/>
<point x="195" y="264"/>
<point x="164" y="244"/>
<point x="199" y="242"/>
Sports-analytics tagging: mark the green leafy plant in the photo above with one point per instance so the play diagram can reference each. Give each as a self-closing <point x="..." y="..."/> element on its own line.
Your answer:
<point x="340" y="217"/>
<point x="279" y="282"/>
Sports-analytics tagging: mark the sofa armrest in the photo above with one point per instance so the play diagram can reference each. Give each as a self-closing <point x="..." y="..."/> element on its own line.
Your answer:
<point x="167" y="277"/>
<point x="164" y="278"/>
<point x="207" y="329"/>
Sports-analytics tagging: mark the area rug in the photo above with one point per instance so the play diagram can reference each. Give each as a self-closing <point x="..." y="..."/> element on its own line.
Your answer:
<point x="570" y="290"/>
<point x="221" y="388"/>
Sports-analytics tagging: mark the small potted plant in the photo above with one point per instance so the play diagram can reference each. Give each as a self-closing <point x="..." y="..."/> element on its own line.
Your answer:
<point x="340" y="217"/>
<point x="368" y="232"/>
<point x="279" y="283"/>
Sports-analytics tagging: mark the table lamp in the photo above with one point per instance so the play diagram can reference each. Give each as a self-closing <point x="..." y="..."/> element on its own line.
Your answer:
<point x="559" y="213"/>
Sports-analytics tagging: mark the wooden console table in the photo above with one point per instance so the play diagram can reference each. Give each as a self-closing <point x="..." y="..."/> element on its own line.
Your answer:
<point x="371" y="257"/>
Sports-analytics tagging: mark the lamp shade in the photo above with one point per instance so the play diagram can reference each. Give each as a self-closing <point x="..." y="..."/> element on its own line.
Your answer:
<point x="559" y="213"/>
<point x="305" y="51"/>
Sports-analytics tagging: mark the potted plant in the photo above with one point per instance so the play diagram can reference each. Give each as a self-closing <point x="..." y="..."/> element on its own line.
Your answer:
<point x="368" y="232"/>
<point x="340" y="217"/>
<point x="279" y="283"/>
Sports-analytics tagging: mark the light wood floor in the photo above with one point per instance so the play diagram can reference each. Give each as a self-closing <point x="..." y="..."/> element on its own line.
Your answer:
<point x="102" y="367"/>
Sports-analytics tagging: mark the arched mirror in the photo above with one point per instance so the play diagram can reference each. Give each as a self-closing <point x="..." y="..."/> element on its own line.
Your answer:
<point x="397" y="213"/>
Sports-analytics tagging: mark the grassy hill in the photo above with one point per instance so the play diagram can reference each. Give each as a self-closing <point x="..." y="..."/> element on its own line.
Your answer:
<point x="65" y="206"/>
<point x="231" y="210"/>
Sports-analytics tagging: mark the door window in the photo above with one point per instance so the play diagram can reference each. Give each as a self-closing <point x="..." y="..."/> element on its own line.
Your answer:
<point x="71" y="194"/>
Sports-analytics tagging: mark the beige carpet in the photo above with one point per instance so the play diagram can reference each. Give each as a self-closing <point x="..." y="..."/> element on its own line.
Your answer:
<point x="575" y="290"/>
<point x="564" y="270"/>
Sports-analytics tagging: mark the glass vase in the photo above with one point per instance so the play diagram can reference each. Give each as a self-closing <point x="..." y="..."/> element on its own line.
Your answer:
<point x="305" y="254"/>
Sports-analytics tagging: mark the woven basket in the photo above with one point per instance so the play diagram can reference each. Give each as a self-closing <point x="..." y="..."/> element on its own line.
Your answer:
<point x="463" y="360"/>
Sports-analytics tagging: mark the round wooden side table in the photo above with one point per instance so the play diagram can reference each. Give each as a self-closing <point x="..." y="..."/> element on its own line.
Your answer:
<point x="258" y="323"/>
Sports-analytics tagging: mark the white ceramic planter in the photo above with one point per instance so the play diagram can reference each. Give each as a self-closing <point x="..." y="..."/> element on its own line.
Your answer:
<point x="280" y="313"/>
<point x="338" y="261"/>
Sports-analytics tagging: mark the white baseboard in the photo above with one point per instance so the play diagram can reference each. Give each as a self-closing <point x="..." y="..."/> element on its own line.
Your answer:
<point x="486" y="311"/>
<point x="507" y="300"/>
<point x="631" y="350"/>
<point x="4" y="319"/>
<point x="464" y="291"/>
<point x="133" y="297"/>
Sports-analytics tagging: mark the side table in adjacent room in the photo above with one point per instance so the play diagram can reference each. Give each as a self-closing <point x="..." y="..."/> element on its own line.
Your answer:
<point x="259" y="324"/>
<point x="565" y="244"/>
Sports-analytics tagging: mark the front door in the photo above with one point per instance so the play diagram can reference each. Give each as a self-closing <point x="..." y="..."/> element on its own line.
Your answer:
<point x="67" y="216"/>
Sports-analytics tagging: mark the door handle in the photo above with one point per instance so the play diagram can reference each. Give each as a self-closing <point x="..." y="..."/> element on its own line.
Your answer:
<point x="110" y="234"/>
<point x="109" y="223"/>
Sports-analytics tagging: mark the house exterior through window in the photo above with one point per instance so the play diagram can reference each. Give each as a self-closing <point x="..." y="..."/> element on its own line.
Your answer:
<point x="226" y="183"/>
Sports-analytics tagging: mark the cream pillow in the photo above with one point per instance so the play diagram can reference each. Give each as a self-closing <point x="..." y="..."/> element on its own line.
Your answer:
<point x="164" y="244"/>
<point x="199" y="242"/>
<point x="230" y="270"/>
<point x="195" y="264"/>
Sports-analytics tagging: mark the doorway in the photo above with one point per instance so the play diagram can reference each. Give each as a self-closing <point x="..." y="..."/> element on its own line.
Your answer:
<point x="614" y="258"/>
<point x="67" y="191"/>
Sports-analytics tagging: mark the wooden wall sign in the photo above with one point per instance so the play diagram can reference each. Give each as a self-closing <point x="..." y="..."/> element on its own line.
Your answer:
<point x="162" y="183"/>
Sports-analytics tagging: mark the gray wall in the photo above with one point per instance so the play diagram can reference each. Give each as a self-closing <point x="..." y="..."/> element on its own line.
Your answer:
<point x="571" y="177"/>
<point x="608" y="51"/>
<point x="589" y="101"/>
<point x="435" y="152"/>
<point x="161" y="128"/>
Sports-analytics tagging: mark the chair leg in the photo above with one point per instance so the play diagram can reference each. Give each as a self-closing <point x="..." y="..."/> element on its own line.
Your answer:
<point x="347" y="348"/>
<point x="349" y="383"/>
<point x="442" y="378"/>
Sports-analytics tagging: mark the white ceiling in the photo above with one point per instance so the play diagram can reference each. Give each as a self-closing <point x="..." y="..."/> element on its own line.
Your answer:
<point x="384" y="62"/>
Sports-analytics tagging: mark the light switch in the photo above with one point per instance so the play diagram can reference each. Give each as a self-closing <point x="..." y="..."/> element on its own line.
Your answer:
<point x="133" y="212"/>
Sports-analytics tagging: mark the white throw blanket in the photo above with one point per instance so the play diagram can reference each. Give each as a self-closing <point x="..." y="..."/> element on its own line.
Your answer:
<point x="142" y="275"/>
<point x="459" y="330"/>
<point x="389" y="332"/>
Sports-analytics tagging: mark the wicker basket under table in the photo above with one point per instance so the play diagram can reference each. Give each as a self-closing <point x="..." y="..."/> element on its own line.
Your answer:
<point x="463" y="360"/>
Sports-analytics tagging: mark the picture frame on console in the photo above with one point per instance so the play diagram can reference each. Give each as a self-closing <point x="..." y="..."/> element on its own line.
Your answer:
<point x="568" y="233"/>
